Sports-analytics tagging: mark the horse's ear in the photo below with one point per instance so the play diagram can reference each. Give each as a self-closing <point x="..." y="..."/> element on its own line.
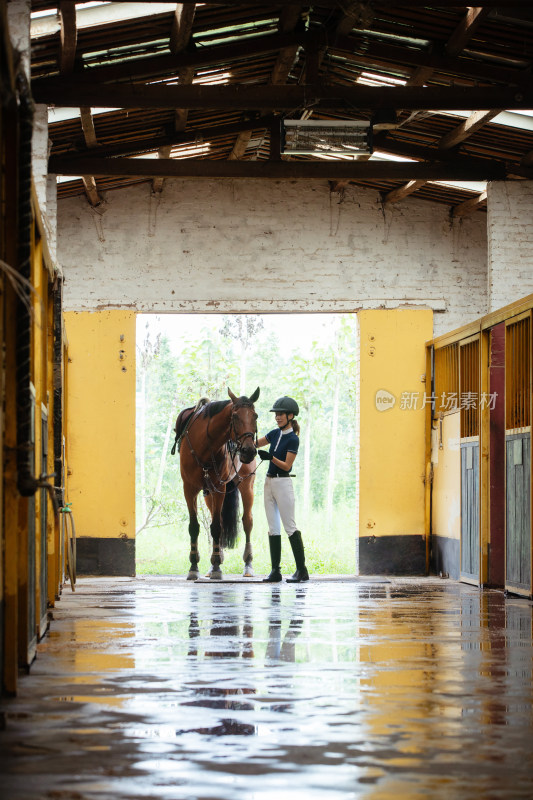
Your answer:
<point x="255" y="395"/>
<point x="232" y="395"/>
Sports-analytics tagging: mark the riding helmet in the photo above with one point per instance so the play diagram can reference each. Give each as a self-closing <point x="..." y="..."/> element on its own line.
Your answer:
<point x="286" y="404"/>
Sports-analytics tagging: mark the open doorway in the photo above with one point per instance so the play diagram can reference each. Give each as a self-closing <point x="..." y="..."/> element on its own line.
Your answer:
<point x="312" y="357"/>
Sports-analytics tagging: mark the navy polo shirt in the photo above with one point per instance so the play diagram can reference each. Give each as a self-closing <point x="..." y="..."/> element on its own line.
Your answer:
<point x="280" y="444"/>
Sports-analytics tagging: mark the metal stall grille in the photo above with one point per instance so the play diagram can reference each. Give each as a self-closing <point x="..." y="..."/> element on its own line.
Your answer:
<point x="518" y="361"/>
<point x="469" y="400"/>
<point x="518" y="381"/>
<point x="447" y="379"/>
<point x="470" y="498"/>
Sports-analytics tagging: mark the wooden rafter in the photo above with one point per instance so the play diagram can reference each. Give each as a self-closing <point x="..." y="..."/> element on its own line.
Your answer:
<point x="87" y="124"/>
<point x="354" y="14"/>
<point x="241" y="143"/>
<point x="467" y="128"/>
<point x="67" y="58"/>
<point x="91" y="190"/>
<point x="465" y="30"/>
<point x="180" y="36"/>
<point x="89" y="134"/>
<point x="455" y="45"/>
<point x="447" y="142"/>
<point x="181" y="137"/>
<point x="403" y="191"/>
<point x="287" y="23"/>
<point x="181" y="27"/>
<point x="68" y="37"/>
<point x="470" y="205"/>
<point x="374" y="52"/>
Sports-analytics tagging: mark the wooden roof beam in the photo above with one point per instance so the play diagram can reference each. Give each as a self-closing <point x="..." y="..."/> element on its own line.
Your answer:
<point x="469" y="206"/>
<point x="458" y="169"/>
<point x="289" y="97"/>
<point x="336" y="3"/>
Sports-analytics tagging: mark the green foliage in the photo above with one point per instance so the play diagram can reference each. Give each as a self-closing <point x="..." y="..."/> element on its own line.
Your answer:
<point x="165" y="551"/>
<point x="169" y="380"/>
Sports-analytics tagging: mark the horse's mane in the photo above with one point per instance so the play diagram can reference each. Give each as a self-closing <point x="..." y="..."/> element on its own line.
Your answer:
<point x="214" y="408"/>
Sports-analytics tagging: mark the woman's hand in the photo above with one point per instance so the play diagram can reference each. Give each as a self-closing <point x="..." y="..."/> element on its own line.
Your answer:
<point x="264" y="455"/>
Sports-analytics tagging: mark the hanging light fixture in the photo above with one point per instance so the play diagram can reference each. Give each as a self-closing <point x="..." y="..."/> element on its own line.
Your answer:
<point x="326" y="137"/>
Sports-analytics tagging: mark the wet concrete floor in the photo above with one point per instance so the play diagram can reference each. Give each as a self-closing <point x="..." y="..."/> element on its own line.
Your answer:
<point x="378" y="689"/>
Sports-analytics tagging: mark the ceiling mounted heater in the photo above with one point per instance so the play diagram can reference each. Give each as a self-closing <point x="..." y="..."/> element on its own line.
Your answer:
<point x="350" y="138"/>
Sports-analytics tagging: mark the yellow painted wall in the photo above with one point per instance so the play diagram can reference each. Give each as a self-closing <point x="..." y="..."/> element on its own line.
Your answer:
<point x="101" y="422"/>
<point x="392" y="441"/>
<point x="446" y="497"/>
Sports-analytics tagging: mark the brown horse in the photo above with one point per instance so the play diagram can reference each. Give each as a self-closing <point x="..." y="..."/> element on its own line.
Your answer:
<point x="217" y="455"/>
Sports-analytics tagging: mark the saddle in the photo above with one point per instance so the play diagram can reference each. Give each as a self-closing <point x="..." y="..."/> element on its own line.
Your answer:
<point x="183" y="421"/>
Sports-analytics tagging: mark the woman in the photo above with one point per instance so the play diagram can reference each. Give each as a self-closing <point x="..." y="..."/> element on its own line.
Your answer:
<point x="279" y="492"/>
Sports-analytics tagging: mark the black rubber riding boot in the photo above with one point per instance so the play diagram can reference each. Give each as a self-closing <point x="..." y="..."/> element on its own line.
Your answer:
<point x="274" y="542"/>
<point x="297" y="545"/>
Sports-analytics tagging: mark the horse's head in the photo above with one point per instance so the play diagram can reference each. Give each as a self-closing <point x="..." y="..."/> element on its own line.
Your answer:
<point x="244" y="425"/>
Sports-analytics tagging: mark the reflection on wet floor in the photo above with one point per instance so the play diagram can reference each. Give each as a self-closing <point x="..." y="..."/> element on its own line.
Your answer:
<point x="159" y="688"/>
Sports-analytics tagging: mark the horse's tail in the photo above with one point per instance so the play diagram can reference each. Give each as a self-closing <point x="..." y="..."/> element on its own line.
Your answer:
<point x="230" y="509"/>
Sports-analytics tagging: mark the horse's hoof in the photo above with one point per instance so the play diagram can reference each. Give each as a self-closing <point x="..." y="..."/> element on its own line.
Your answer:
<point x="193" y="575"/>
<point x="248" y="572"/>
<point x="215" y="575"/>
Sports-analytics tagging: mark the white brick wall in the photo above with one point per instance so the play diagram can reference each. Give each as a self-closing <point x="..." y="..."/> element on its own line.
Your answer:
<point x="248" y="246"/>
<point x="510" y="241"/>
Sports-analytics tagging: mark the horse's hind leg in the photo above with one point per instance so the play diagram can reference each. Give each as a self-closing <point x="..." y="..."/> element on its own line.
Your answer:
<point x="246" y="489"/>
<point x="208" y="497"/>
<point x="194" y="530"/>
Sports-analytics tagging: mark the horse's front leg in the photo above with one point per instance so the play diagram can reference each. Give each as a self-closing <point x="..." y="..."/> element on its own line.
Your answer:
<point x="247" y="495"/>
<point x="216" y="530"/>
<point x="194" y="530"/>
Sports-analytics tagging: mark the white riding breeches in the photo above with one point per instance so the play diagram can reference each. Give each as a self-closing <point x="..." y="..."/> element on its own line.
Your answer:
<point x="279" y="505"/>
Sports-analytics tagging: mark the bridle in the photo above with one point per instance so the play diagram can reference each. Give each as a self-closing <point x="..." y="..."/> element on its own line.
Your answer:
<point x="239" y="439"/>
<point x="235" y="439"/>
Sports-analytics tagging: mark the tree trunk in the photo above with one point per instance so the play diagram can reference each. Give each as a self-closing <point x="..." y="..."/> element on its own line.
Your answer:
<point x="333" y="443"/>
<point x="142" y="445"/>
<point x="163" y="458"/>
<point x="242" y="390"/>
<point x="307" y="463"/>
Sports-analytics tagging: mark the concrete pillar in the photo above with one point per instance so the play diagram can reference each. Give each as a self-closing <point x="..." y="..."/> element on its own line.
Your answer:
<point x="39" y="146"/>
<point x="18" y="17"/>
<point x="510" y="241"/>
